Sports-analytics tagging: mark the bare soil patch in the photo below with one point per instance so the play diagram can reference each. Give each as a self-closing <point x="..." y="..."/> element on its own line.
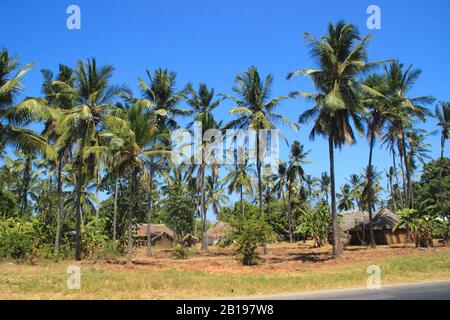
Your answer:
<point x="283" y="258"/>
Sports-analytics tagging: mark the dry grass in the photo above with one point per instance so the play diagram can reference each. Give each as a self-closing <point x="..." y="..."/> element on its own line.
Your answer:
<point x="288" y="268"/>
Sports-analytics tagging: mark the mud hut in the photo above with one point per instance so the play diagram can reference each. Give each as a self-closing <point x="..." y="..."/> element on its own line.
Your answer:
<point x="217" y="232"/>
<point x="160" y="235"/>
<point x="190" y="240"/>
<point x="356" y="227"/>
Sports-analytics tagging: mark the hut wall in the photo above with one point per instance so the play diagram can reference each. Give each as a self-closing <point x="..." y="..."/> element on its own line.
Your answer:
<point x="163" y="241"/>
<point x="382" y="237"/>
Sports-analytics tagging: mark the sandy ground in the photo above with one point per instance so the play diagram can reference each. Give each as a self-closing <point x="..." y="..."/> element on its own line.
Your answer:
<point x="283" y="258"/>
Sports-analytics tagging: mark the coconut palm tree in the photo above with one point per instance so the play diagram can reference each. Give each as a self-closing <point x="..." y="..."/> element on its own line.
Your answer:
<point x="310" y="183"/>
<point x="325" y="185"/>
<point x="389" y="175"/>
<point x="371" y="197"/>
<point x="295" y="171"/>
<point x="418" y="151"/>
<point x="399" y="82"/>
<point x="157" y="163"/>
<point x="390" y="141"/>
<point x="345" y="198"/>
<point x="341" y="56"/>
<point x="215" y="194"/>
<point x="255" y="110"/>
<point x="280" y="183"/>
<point x="203" y="104"/>
<point x="94" y="96"/>
<point x="355" y="183"/>
<point x="443" y="117"/>
<point x="128" y="139"/>
<point x="240" y="180"/>
<point x="161" y="92"/>
<point x="378" y="113"/>
<point x="60" y="96"/>
<point x="12" y="115"/>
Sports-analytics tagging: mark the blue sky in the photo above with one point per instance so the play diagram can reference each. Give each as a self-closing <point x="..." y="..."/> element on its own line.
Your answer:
<point x="210" y="41"/>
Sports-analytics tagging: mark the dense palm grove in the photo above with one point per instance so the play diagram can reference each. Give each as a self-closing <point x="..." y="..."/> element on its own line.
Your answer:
<point x="100" y="137"/>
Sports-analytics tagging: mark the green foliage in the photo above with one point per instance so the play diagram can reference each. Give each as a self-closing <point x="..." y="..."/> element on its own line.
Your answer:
<point x="315" y="223"/>
<point x="139" y="213"/>
<point x="278" y="218"/>
<point x="247" y="233"/>
<point x="8" y="204"/>
<point x="420" y="224"/>
<point x="429" y="190"/>
<point x="179" y="204"/>
<point x="46" y="251"/>
<point x="181" y="252"/>
<point x="108" y="250"/>
<point x="94" y="236"/>
<point x="17" y="239"/>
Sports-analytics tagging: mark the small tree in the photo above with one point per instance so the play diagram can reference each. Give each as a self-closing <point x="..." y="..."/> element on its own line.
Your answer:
<point x="421" y="226"/>
<point x="247" y="233"/>
<point x="315" y="223"/>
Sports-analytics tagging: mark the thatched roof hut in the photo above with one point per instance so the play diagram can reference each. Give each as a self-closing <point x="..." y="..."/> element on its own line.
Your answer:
<point x="190" y="240"/>
<point x="381" y="220"/>
<point x="160" y="234"/>
<point x="154" y="229"/>
<point x="217" y="232"/>
<point x="356" y="226"/>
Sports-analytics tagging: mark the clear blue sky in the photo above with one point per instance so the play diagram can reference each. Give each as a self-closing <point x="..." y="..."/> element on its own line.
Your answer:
<point x="210" y="41"/>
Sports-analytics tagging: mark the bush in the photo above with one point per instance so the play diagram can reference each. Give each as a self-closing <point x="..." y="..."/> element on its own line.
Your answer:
<point x="107" y="251"/>
<point x="17" y="239"/>
<point x="94" y="238"/>
<point x="315" y="223"/>
<point x="46" y="251"/>
<point x="181" y="252"/>
<point x="247" y="234"/>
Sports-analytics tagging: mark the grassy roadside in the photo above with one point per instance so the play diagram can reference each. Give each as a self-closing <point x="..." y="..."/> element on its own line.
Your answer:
<point x="48" y="281"/>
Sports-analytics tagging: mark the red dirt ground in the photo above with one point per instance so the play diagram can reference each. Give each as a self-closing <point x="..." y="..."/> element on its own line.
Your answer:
<point x="283" y="257"/>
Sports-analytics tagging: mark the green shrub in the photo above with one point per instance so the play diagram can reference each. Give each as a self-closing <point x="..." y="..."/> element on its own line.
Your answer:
<point x="107" y="251"/>
<point x="315" y="223"/>
<point x="94" y="237"/>
<point x="181" y="252"/>
<point x="17" y="239"/>
<point x="46" y="251"/>
<point x="246" y="234"/>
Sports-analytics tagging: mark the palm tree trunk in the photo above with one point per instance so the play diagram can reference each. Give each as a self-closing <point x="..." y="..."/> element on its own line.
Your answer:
<point x="78" y="214"/>
<point x="59" y="208"/>
<point x="402" y="168"/>
<point x="149" y="218"/>
<point x="408" y="173"/>
<point x="26" y="185"/>
<point x="203" y="207"/>
<point x="394" y="203"/>
<point x="116" y="196"/>
<point x="290" y="213"/>
<point x="337" y="249"/>
<point x="130" y="217"/>
<point x="408" y="183"/>
<point x="369" y="185"/>
<point x="242" y="200"/>
<point x="441" y="187"/>
<point x="97" y="188"/>
<point x="49" y="197"/>
<point x="258" y="167"/>
<point x="396" y="177"/>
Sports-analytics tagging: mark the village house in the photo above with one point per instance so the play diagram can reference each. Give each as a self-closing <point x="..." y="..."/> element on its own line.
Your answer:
<point x="356" y="227"/>
<point x="161" y="235"/>
<point x="217" y="232"/>
<point x="190" y="240"/>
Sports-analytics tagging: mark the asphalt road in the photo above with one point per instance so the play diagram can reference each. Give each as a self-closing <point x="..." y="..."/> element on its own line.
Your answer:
<point x="438" y="290"/>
